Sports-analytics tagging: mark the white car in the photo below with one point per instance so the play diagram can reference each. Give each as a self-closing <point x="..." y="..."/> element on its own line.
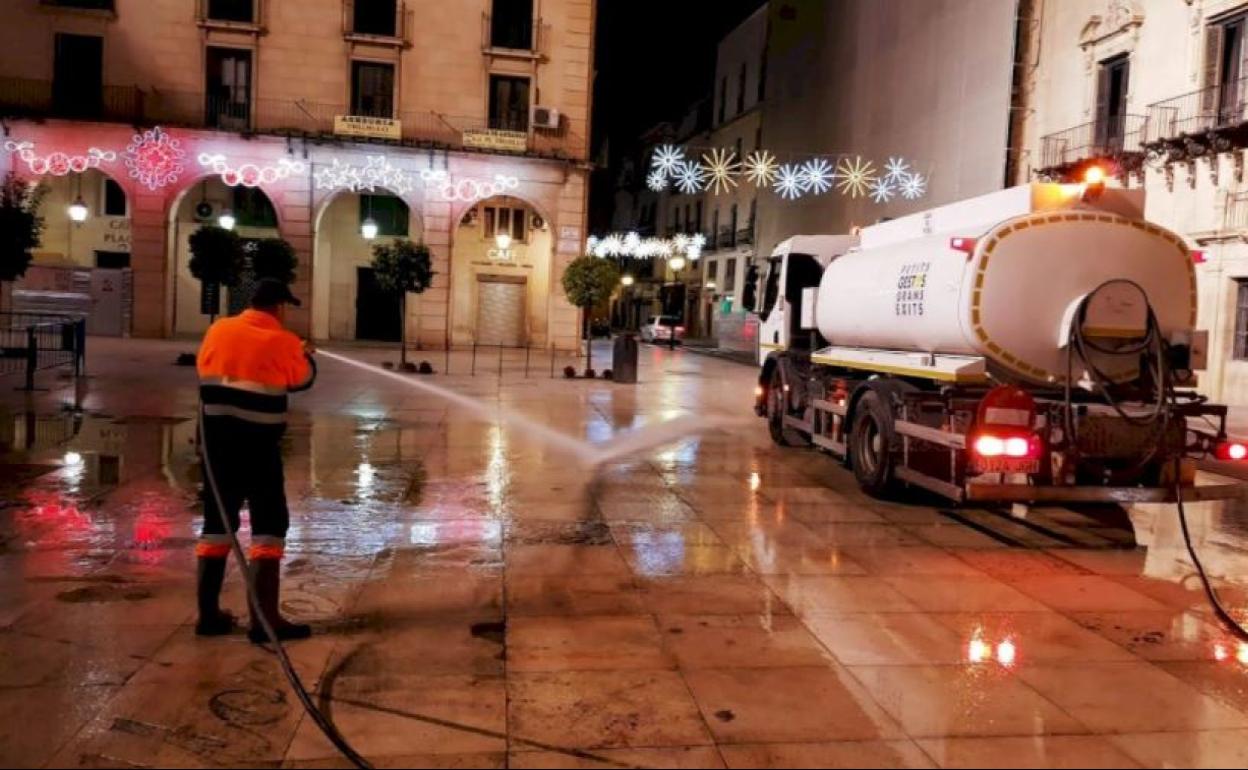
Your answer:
<point x="658" y="328"/>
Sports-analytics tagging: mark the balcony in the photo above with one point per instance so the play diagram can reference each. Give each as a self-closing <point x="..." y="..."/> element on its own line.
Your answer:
<point x="746" y="236"/>
<point x="35" y="99"/>
<point x="1116" y="142"/>
<point x="1204" y="122"/>
<point x="375" y="23"/>
<point x="516" y="41"/>
<point x="728" y="237"/>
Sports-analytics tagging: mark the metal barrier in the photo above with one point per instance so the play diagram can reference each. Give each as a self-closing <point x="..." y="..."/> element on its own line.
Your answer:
<point x="30" y="342"/>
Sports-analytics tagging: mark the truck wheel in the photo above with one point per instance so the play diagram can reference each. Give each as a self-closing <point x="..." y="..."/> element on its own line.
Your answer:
<point x="776" y="410"/>
<point x="870" y="446"/>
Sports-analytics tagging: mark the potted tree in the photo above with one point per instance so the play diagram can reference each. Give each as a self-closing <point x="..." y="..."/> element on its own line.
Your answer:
<point x="216" y="260"/>
<point x="21" y="228"/>
<point x="274" y="258"/>
<point x="403" y="267"/>
<point x="588" y="281"/>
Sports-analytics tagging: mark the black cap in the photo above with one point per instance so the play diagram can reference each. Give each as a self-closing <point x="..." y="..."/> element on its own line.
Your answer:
<point x="271" y="292"/>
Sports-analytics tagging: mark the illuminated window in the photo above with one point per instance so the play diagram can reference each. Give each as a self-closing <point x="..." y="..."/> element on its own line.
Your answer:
<point x="504" y="219"/>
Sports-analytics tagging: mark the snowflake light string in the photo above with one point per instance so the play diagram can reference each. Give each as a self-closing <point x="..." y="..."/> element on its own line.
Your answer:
<point x="154" y="158"/>
<point x="633" y="245"/>
<point x="722" y="169"/>
<point x="59" y="163"/>
<point x="249" y="174"/>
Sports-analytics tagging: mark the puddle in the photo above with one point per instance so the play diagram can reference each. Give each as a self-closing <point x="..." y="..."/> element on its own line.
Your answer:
<point x="559" y="533"/>
<point x="103" y="594"/>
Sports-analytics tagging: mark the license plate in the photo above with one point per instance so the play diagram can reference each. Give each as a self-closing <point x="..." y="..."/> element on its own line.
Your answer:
<point x="1006" y="465"/>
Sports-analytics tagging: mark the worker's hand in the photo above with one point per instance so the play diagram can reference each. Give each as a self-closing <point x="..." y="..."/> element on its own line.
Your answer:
<point x="309" y="347"/>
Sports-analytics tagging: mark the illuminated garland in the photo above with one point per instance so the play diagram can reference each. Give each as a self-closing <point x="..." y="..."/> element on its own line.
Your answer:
<point x="468" y="190"/>
<point x="634" y="246"/>
<point x="59" y="163"/>
<point x="249" y="174"/>
<point x="720" y="171"/>
<point x="376" y="172"/>
<point x="154" y="158"/>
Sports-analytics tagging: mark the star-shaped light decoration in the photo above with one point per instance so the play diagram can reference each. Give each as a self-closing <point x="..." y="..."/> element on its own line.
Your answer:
<point x="883" y="190"/>
<point x="656" y="180"/>
<point x="856" y="176"/>
<point x="819" y="175"/>
<point x="665" y="159"/>
<point x="896" y="169"/>
<point x="760" y="168"/>
<point x="722" y="169"/>
<point x="690" y="177"/>
<point x="790" y="181"/>
<point x="914" y="186"/>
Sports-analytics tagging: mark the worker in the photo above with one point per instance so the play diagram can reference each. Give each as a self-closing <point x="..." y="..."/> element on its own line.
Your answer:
<point x="247" y="365"/>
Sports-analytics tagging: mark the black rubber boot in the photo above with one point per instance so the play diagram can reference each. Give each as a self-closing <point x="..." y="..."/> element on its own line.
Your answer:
<point x="267" y="575"/>
<point x="212" y="620"/>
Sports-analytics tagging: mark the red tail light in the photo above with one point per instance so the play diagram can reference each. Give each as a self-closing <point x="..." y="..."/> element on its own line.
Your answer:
<point x="964" y="245"/>
<point x="1234" y="451"/>
<point x="1199" y="257"/>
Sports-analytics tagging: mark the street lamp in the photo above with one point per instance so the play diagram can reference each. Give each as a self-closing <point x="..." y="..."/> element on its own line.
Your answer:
<point x="78" y="211"/>
<point x="226" y="220"/>
<point x="627" y="280"/>
<point x="368" y="229"/>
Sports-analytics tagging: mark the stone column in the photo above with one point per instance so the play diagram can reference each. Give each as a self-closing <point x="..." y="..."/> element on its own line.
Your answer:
<point x="149" y="259"/>
<point x="296" y="221"/>
<point x="429" y="313"/>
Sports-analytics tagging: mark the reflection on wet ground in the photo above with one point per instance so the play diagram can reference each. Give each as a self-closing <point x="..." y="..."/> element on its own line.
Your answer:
<point x="484" y="600"/>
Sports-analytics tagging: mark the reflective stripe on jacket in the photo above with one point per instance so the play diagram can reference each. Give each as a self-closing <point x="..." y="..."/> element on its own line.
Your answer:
<point x="247" y="364"/>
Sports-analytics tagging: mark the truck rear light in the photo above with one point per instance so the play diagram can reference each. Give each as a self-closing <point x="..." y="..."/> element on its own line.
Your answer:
<point x="1199" y="257"/>
<point x="1017" y="446"/>
<point x="1234" y="451"/>
<point x="964" y="245"/>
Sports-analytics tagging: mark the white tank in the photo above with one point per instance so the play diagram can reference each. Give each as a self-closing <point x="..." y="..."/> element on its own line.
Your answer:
<point x="1009" y="297"/>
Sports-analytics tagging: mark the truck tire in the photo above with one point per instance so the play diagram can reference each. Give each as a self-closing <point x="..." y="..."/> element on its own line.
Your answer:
<point x="871" y="442"/>
<point x="776" y="410"/>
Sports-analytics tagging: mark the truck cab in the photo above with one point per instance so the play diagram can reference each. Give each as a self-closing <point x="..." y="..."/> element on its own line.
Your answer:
<point x="795" y="264"/>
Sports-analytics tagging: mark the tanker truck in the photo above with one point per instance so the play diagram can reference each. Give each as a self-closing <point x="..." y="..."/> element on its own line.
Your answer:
<point x="1036" y="344"/>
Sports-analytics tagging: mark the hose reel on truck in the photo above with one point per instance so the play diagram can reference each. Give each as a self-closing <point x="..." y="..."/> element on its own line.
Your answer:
<point x="1082" y="306"/>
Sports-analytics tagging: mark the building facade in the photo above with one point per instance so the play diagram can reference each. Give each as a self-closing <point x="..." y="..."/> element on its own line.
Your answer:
<point x="451" y="123"/>
<point x="1156" y="92"/>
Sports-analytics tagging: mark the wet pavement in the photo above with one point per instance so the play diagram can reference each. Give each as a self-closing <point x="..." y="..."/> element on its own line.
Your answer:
<point x="485" y="599"/>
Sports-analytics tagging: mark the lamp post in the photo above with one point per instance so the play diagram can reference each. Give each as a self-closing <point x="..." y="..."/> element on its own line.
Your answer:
<point x="676" y="264"/>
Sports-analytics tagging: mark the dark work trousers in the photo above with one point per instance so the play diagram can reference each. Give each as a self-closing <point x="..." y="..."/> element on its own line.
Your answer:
<point x="247" y="465"/>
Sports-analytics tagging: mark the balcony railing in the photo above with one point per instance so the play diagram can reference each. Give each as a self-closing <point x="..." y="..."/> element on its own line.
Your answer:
<point x="361" y="26"/>
<point x="1213" y="118"/>
<point x="190" y="109"/>
<point x="728" y="237"/>
<point x="531" y="40"/>
<point x="746" y="236"/>
<point x="1118" y="139"/>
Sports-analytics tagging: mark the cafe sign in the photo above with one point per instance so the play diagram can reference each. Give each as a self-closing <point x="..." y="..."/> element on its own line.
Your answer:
<point x="369" y="128"/>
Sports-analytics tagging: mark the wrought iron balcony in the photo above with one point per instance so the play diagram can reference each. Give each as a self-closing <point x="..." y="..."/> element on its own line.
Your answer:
<point x="728" y="236"/>
<point x="1211" y="120"/>
<point x="746" y="236"/>
<point x="1116" y="142"/>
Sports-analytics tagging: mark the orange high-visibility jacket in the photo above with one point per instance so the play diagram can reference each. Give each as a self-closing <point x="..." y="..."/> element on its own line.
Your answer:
<point x="247" y="364"/>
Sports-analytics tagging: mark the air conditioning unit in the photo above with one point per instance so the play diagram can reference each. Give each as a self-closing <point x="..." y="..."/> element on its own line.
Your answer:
<point x="205" y="212"/>
<point x="545" y="117"/>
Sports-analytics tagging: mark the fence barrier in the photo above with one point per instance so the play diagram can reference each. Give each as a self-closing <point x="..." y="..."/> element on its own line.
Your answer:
<point x="32" y="342"/>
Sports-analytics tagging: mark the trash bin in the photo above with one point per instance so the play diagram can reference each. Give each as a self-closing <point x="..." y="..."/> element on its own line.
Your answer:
<point x="624" y="365"/>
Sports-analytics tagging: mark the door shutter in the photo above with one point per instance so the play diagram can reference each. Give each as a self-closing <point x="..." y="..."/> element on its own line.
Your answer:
<point x="1103" y="80"/>
<point x="1124" y="98"/>
<point x="1214" y="35"/>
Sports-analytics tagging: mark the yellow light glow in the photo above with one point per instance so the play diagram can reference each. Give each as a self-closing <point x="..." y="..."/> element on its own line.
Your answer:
<point x="1007" y="653"/>
<point x="978" y="651"/>
<point x="1094" y="175"/>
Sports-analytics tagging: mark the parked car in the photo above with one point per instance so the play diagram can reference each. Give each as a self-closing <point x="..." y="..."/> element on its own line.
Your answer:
<point x="659" y="328"/>
<point x="600" y="327"/>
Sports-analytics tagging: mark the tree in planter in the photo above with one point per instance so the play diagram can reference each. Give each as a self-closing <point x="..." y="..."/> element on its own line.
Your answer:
<point x="588" y="281"/>
<point x="217" y="259"/>
<point x="403" y="268"/>
<point x="21" y="227"/>
<point x="274" y="258"/>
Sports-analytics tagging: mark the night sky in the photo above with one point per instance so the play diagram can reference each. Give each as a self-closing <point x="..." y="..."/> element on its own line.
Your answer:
<point x="653" y="59"/>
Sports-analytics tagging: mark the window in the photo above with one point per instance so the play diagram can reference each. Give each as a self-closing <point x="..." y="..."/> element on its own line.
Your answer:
<point x="372" y="89"/>
<point x="698" y="214"/>
<point x="762" y="76"/>
<point x="1111" y="103"/>
<point x="1241" y="320"/>
<point x="114" y="199"/>
<point x="1225" y="70"/>
<point x="758" y="138"/>
<point x="712" y="271"/>
<point x="375" y="17"/>
<point x="252" y="208"/>
<point x="715" y="226"/>
<point x="753" y="213"/>
<point x="112" y="260"/>
<point x="511" y="24"/>
<point x="733" y="226"/>
<point x="723" y="97"/>
<point x="740" y="147"/>
<point x="390" y="213"/>
<point x="741" y="89"/>
<point x="77" y="85"/>
<point x="503" y="219"/>
<point x="674" y="225"/>
<point x="509" y="103"/>
<point x="228" y="91"/>
<point x="688" y="218"/>
<point x="89" y="5"/>
<point x="730" y="275"/>
<point x="231" y="10"/>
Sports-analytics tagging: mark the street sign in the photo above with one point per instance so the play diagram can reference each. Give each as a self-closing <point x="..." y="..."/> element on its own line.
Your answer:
<point x="496" y="139"/>
<point x="370" y="128"/>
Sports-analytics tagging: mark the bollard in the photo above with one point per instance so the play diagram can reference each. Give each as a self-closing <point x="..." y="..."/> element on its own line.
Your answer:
<point x="474" y="358"/>
<point x="624" y="359"/>
<point x="32" y="357"/>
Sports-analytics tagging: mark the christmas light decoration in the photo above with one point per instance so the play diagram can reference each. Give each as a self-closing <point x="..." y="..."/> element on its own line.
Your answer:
<point x="249" y="174"/>
<point x="634" y="246"/>
<point x="154" y="158"/>
<point x="471" y="190"/>
<point x="666" y="158"/>
<point x="818" y="176"/>
<point x="722" y="169"/>
<point x="58" y="163"/>
<point x="760" y="168"/>
<point x="657" y="181"/>
<point x="913" y="187"/>
<point x="883" y="190"/>
<point x="376" y="172"/>
<point x="896" y="169"/>
<point x="690" y="177"/>
<point x="790" y="182"/>
<point x="855" y="176"/>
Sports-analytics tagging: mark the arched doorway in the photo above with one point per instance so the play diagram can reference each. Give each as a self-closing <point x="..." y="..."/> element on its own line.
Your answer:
<point x="501" y="255"/>
<point x="207" y="202"/>
<point x="347" y="304"/>
<point x="82" y="264"/>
